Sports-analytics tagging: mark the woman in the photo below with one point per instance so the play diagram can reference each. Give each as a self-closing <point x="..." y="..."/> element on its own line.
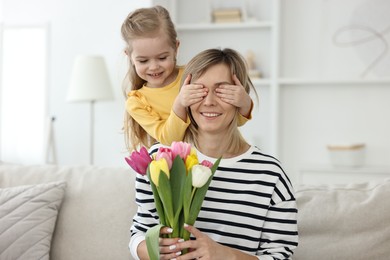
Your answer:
<point x="249" y="211"/>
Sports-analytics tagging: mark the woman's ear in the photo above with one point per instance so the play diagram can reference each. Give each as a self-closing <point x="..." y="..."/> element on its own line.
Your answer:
<point x="126" y="52"/>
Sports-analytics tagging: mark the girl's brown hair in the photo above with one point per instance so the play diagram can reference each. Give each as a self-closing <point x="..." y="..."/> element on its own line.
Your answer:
<point x="142" y="23"/>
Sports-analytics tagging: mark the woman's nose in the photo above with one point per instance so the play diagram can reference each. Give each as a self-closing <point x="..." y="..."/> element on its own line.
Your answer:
<point x="210" y="98"/>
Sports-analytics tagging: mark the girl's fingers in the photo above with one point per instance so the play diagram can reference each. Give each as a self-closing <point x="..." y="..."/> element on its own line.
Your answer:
<point x="196" y="90"/>
<point x="236" y="80"/>
<point x="196" y="86"/>
<point x="188" y="79"/>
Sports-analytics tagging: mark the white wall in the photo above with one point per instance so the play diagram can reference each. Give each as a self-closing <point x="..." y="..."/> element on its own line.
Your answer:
<point x="316" y="114"/>
<point x="80" y="27"/>
<point x="311" y="116"/>
<point x="335" y="39"/>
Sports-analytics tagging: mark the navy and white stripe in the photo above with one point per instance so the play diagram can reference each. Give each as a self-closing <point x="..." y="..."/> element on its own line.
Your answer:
<point x="250" y="206"/>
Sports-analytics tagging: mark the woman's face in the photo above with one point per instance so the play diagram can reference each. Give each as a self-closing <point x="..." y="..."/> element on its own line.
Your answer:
<point x="154" y="60"/>
<point x="212" y="115"/>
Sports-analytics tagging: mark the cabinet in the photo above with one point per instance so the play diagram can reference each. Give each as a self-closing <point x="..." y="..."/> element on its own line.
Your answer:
<point x="313" y="91"/>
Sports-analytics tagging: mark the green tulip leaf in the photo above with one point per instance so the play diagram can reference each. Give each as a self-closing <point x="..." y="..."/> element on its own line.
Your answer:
<point x="152" y="242"/>
<point x="178" y="177"/>
<point x="199" y="195"/>
<point x="187" y="189"/>
<point x="165" y="192"/>
<point x="157" y="200"/>
<point x="215" y="165"/>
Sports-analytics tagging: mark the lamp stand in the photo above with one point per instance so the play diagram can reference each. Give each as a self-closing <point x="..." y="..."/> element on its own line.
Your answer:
<point x="91" y="129"/>
<point x="51" y="156"/>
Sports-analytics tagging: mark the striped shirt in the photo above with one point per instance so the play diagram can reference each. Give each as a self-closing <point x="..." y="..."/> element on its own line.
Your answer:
<point x="249" y="206"/>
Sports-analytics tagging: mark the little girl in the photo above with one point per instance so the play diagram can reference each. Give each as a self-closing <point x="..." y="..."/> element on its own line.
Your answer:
<point x="155" y="108"/>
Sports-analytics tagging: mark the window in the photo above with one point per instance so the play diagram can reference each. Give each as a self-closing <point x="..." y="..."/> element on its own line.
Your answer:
<point x="23" y="98"/>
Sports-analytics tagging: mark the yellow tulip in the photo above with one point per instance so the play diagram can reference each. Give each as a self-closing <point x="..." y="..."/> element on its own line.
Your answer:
<point x="156" y="167"/>
<point x="191" y="160"/>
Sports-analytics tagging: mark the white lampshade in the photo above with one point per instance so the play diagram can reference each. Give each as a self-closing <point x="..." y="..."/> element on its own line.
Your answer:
<point x="89" y="80"/>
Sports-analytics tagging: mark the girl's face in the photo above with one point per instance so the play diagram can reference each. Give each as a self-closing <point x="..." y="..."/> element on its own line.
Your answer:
<point x="212" y="115"/>
<point x="154" y="60"/>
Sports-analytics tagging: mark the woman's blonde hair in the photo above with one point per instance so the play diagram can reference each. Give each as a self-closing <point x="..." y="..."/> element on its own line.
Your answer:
<point x="142" y="23"/>
<point x="197" y="66"/>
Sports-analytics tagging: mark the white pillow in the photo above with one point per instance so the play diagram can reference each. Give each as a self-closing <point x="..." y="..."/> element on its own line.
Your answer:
<point x="27" y="219"/>
<point x="344" y="221"/>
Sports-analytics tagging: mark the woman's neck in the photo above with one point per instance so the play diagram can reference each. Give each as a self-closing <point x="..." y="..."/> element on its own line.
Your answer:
<point x="216" y="146"/>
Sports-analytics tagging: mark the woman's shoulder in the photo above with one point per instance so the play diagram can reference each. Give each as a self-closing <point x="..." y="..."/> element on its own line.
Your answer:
<point x="255" y="158"/>
<point x="270" y="165"/>
<point x="257" y="153"/>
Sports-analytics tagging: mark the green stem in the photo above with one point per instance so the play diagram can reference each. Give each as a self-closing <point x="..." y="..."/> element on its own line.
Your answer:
<point x="192" y="194"/>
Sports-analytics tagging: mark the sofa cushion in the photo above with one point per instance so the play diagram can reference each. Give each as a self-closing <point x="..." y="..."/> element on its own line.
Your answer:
<point x="96" y="214"/>
<point x="344" y="221"/>
<point x="28" y="215"/>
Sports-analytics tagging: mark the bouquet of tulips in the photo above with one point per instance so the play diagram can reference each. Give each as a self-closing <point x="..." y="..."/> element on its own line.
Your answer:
<point x="179" y="183"/>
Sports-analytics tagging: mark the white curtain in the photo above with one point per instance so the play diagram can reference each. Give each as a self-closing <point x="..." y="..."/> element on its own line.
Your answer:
<point x="23" y="94"/>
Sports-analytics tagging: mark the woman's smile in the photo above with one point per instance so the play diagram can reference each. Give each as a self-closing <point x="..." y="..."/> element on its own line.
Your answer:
<point x="210" y="114"/>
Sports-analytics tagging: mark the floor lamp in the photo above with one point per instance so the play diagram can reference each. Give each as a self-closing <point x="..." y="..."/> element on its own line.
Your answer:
<point x="90" y="83"/>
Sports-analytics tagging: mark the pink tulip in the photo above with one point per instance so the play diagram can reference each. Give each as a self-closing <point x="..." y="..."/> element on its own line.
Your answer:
<point x="180" y="148"/>
<point x="165" y="153"/>
<point x="139" y="161"/>
<point x="207" y="163"/>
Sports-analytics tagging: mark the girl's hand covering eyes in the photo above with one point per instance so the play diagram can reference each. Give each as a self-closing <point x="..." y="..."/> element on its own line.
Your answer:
<point x="236" y="96"/>
<point x="191" y="93"/>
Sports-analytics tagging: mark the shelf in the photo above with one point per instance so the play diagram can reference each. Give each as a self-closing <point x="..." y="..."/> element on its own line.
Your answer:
<point x="223" y="26"/>
<point x="382" y="170"/>
<point x="335" y="82"/>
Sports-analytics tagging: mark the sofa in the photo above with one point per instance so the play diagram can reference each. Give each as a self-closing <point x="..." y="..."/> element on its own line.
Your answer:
<point x="92" y="208"/>
<point x="85" y="212"/>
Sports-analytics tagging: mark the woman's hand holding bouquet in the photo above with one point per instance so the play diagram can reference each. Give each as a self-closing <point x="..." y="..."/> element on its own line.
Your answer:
<point x="179" y="184"/>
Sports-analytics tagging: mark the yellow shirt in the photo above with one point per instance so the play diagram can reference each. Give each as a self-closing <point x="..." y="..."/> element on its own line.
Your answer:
<point x="152" y="109"/>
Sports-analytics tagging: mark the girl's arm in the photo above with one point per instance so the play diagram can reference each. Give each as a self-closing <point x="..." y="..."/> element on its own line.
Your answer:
<point x="164" y="130"/>
<point x="172" y="128"/>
